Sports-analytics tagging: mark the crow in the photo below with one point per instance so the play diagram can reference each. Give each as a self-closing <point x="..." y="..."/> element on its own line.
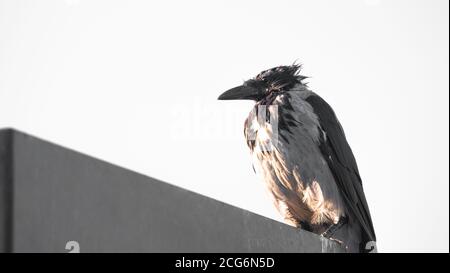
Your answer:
<point x="300" y="150"/>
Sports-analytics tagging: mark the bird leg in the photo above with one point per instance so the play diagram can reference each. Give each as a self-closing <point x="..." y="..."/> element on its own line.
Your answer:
<point x="333" y="228"/>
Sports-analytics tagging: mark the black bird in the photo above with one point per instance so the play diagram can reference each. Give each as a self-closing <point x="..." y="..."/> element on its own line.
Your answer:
<point x="299" y="148"/>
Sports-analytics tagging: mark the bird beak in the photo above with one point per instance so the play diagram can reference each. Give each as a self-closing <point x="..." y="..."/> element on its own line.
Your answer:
<point x="240" y="93"/>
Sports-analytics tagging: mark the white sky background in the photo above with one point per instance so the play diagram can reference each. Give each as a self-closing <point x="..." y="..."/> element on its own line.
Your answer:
<point x="136" y="82"/>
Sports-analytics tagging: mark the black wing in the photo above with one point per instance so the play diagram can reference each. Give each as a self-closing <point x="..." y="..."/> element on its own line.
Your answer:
<point x="342" y="163"/>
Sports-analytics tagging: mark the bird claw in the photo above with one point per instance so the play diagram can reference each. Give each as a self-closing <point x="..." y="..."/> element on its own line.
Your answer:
<point x="336" y="240"/>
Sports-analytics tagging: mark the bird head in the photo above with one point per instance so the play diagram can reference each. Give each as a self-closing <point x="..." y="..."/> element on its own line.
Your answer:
<point x="277" y="79"/>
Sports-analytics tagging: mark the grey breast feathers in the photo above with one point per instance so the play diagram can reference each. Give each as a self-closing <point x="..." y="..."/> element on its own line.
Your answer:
<point x="286" y="155"/>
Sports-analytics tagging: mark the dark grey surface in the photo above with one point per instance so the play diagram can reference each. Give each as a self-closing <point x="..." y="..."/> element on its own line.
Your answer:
<point x="5" y="190"/>
<point x="51" y="195"/>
